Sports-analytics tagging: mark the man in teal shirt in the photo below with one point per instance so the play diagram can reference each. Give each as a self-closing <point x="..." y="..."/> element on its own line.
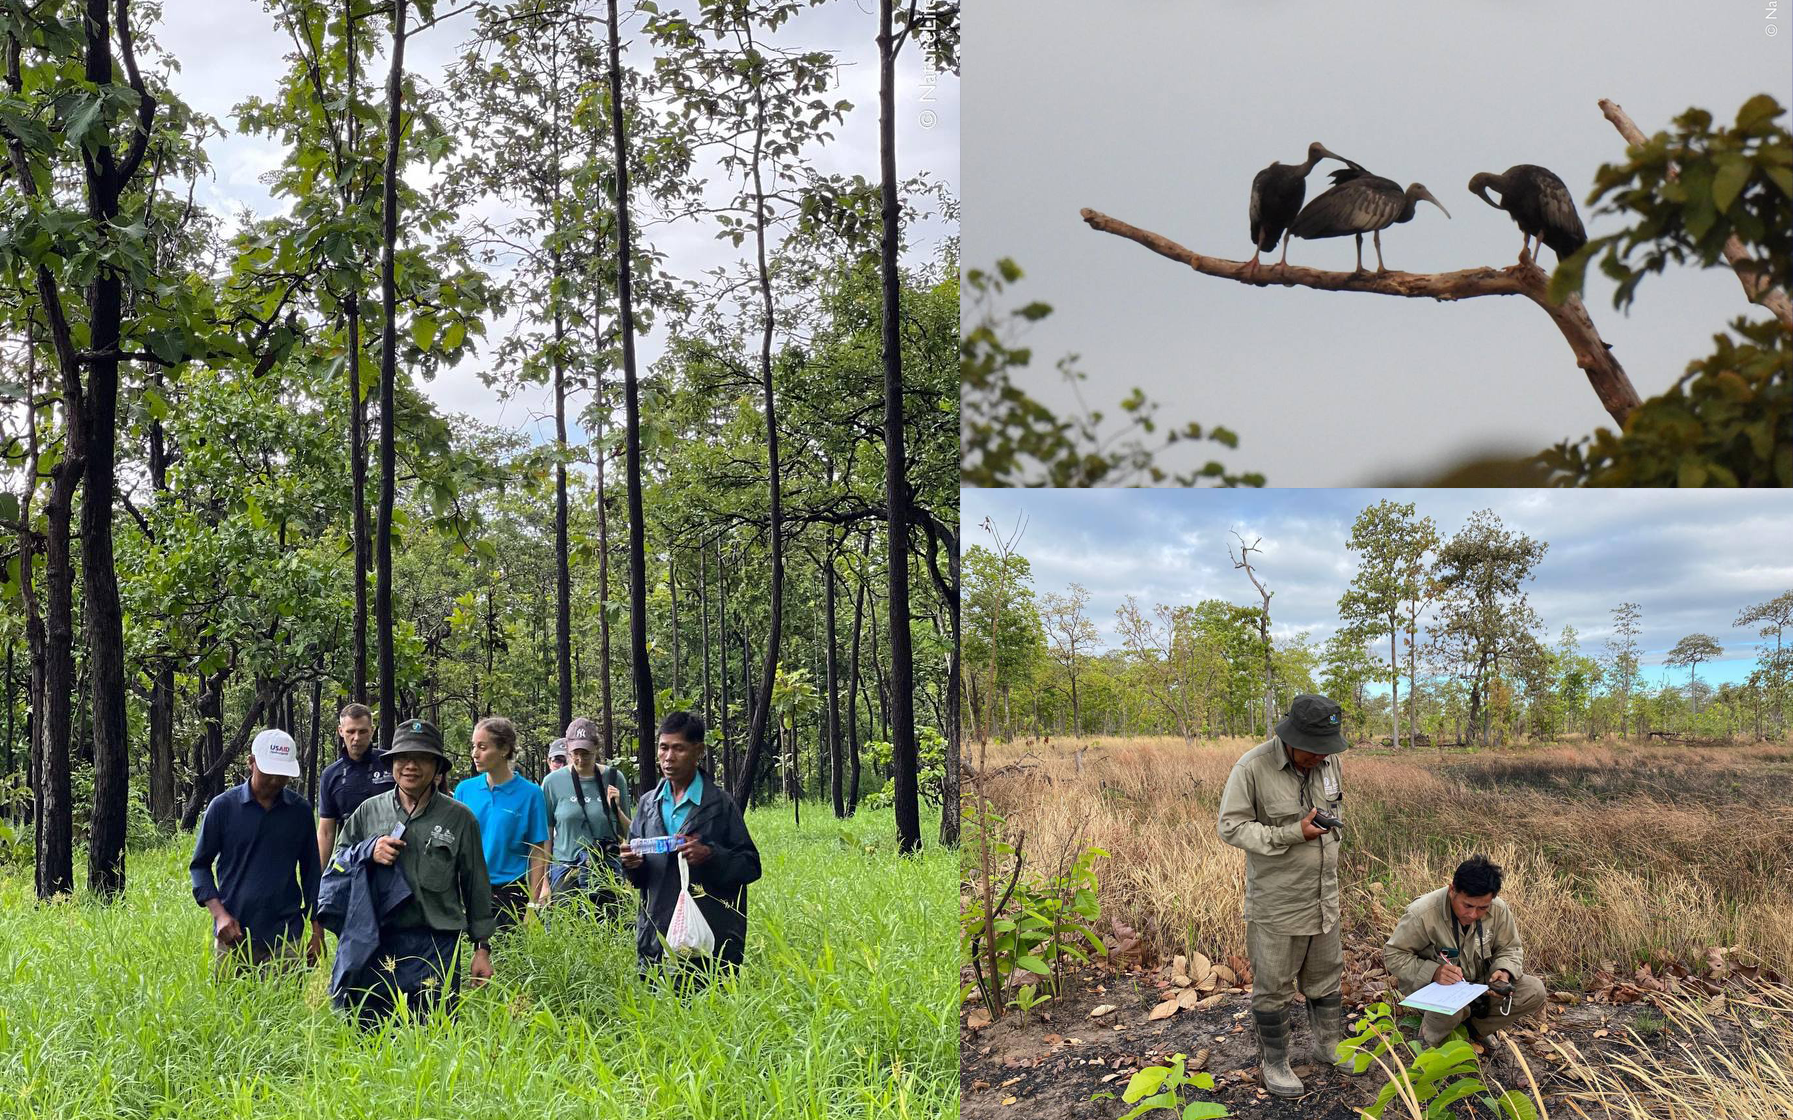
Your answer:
<point x="715" y="847"/>
<point x="513" y="824"/>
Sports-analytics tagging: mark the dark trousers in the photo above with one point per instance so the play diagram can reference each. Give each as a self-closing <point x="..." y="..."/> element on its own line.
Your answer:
<point x="417" y="967"/>
<point x="510" y="901"/>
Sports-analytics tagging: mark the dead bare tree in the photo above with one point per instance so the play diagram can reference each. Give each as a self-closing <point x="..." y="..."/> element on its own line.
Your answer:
<point x="1244" y="561"/>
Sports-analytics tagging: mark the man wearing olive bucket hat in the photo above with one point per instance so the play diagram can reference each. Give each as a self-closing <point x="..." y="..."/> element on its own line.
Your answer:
<point x="1283" y="804"/>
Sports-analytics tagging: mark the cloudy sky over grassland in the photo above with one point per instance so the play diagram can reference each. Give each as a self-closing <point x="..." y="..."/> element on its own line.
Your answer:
<point x="229" y="52"/>
<point x="1692" y="560"/>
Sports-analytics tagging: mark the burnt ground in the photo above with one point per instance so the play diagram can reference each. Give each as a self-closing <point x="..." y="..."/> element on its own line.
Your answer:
<point x="1048" y="1065"/>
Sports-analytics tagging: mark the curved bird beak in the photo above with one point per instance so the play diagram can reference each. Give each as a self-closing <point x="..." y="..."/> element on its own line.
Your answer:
<point x="1330" y="154"/>
<point x="1427" y="195"/>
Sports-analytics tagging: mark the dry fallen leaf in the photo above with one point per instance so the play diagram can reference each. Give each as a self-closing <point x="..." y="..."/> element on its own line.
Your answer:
<point x="1188" y="998"/>
<point x="1100" y="1010"/>
<point x="978" y="1019"/>
<point x="1011" y="1081"/>
<point x="1164" y="1010"/>
<point x="1107" y="1077"/>
<point x="1008" y="1100"/>
<point x="1200" y="1061"/>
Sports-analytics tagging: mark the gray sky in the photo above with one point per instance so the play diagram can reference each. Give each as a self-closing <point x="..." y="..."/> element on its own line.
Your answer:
<point x="1693" y="560"/>
<point x="1159" y="112"/>
<point x="229" y="52"/>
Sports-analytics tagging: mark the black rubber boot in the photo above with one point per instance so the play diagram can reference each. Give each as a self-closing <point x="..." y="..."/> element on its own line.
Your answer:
<point x="1326" y="1018"/>
<point x="1273" y="1047"/>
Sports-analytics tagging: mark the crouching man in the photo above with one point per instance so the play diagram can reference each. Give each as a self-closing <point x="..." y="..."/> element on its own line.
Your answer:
<point x="1459" y="932"/>
<point x="1291" y="881"/>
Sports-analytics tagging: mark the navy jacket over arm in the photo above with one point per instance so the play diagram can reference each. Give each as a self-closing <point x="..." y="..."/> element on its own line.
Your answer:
<point x="357" y="897"/>
<point x="263" y="863"/>
<point x="734" y="862"/>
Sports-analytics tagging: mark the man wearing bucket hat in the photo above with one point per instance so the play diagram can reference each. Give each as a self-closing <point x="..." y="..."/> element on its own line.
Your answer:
<point x="255" y="860"/>
<point x="1275" y="806"/>
<point x="435" y="841"/>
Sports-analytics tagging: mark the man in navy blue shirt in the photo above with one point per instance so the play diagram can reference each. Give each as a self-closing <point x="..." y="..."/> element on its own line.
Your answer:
<point x="255" y="863"/>
<point x="356" y="775"/>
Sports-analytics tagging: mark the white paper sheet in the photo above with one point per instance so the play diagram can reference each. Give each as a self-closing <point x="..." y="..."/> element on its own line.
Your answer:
<point x="1446" y="999"/>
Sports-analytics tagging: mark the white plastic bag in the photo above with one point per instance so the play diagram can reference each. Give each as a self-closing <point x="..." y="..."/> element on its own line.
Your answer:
<point x="688" y="935"/>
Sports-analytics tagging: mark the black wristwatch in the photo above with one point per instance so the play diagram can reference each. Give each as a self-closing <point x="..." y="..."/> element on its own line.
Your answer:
<point x="482" y="943"/>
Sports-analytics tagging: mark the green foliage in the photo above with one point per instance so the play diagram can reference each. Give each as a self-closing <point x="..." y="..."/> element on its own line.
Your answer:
<point x="1009" y="438"/>
<point x="1160" y="1087"/>
<point x="1433" y="1079"/>
<point x="1728" y="421"/>
<point x="846" y="988"/>
<point x="1046" y="921"/>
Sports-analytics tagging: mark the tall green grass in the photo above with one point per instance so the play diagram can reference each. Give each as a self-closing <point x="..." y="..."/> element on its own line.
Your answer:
<point x="846" y="1007"/>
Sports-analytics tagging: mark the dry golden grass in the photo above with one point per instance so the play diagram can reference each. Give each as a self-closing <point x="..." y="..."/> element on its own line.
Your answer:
<point x="1614" y="853"/>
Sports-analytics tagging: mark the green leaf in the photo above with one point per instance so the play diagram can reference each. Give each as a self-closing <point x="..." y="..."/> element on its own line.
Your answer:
<point x="1761" y="107"/>
<point x="1515" y="1105"/>
<point x="1145" y="1083"/>
<point x="1692" y="472"/>
<point x="9" y="507"/>
<point x="1162" y="1100"/>
<point x="1570" y="275"/>
<point x="423" y="331"/>
<point x="1033" y="964"/>
<point x="1733" y="173"/>
<point x="1205" y="1110"/>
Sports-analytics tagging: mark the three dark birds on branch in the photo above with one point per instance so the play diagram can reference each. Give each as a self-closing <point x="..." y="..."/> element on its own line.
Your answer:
<point x="1359" y="202"/>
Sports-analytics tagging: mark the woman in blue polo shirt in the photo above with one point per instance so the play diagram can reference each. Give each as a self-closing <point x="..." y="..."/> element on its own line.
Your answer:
<point x="513" y="821"/>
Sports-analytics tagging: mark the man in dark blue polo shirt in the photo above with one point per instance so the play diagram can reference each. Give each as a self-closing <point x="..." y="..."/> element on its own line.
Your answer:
<point x="255" y="863"/>
<point x="356" y="775"/>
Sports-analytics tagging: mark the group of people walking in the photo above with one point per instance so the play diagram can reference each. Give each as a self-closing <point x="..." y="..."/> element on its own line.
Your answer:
<point x="403" y="871"/>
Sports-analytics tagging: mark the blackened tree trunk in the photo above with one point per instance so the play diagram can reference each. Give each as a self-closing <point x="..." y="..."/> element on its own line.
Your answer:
<point x="383" y="620"/>
<point x="358" y="488"/>
<point x="316" y="735"/>
<point x="950" y="814"/>
<point x="703" y="625"/>
<point x="563" y="575"/>
<point x="672" y="591"/>
<point x="643" y="672"/>
<point x="107" y="178"/>
<point x="728" y="760"/>
<point x="832" y="672"/>
<point x="896" y="485"/>
<point x="853" y="700"/>
<point x="762" y="703"/>
<point x="604" y="699"/>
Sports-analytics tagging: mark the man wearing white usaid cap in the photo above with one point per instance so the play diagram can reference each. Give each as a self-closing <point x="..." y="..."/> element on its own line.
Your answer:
<point x="255" y="862"/>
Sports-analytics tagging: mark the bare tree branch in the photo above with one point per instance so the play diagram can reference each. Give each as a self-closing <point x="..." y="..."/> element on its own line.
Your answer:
<point x="1617" y="394"/>
<point x="1750" y="271"/>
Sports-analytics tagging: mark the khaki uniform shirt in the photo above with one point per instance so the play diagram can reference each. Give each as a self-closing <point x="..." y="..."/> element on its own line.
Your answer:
<point x="1291" y="885"/>
<point x="1429" y="925"/>
<point x="441" y="858"/>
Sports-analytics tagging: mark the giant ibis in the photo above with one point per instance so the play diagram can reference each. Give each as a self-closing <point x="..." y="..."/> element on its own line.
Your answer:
<point x="1360" y="203"/>
<point x="1276" y="194"/>
<point x="1540" y="205"/>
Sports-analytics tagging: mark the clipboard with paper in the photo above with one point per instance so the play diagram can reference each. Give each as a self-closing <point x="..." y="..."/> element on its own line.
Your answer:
<point x="1445" y="999"/>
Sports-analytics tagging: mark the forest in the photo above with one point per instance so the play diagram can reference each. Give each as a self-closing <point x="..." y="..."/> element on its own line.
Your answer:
<point x="231" y="501"/>
<point x="1436" y="644"/>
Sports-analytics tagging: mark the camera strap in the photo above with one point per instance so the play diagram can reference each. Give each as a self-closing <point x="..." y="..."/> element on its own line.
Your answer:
<point x="579" y="792"/>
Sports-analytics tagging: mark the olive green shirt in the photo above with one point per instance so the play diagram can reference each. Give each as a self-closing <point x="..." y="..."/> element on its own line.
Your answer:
<point x="441" y="858"/>
<point x="1291" y="885"/>
<point x="1412" y="956"/>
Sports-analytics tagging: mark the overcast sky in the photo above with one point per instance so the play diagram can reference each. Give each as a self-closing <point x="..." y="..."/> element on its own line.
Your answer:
<point x="1159" y="112"/>
<point x="1693" y="560"/>
<point x="229" y="52"/>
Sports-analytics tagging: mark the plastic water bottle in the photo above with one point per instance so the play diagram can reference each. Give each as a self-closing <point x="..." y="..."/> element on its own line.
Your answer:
<point x="656" y="845"/>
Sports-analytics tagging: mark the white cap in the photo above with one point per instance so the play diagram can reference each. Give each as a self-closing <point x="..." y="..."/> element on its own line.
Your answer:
<point x="275" y="754"/>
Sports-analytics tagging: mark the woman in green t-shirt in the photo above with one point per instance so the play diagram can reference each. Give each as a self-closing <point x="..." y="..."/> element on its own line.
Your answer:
<point x="586" y="811"/>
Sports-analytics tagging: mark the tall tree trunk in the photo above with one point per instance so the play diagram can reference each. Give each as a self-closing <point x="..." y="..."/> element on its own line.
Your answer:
<point x="831" y="671"/>
<point x="358" y="488"/>
<point x="1394" y="688"/>
<point x="853" y="699"/>
<point x="316" y="731"/>
<point x="106" y="181"/>
<point x="728" y="760"/>
<point x="896" y="485"/>
<point x="643" y="672"/>
<point x="563" y="575"/>
<point x="703" y="626"/>
<point x="383" y="619"/>
<point x="775" y="530"/>
<point x="604" y="698"/>
<point x="672" y="591"/>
